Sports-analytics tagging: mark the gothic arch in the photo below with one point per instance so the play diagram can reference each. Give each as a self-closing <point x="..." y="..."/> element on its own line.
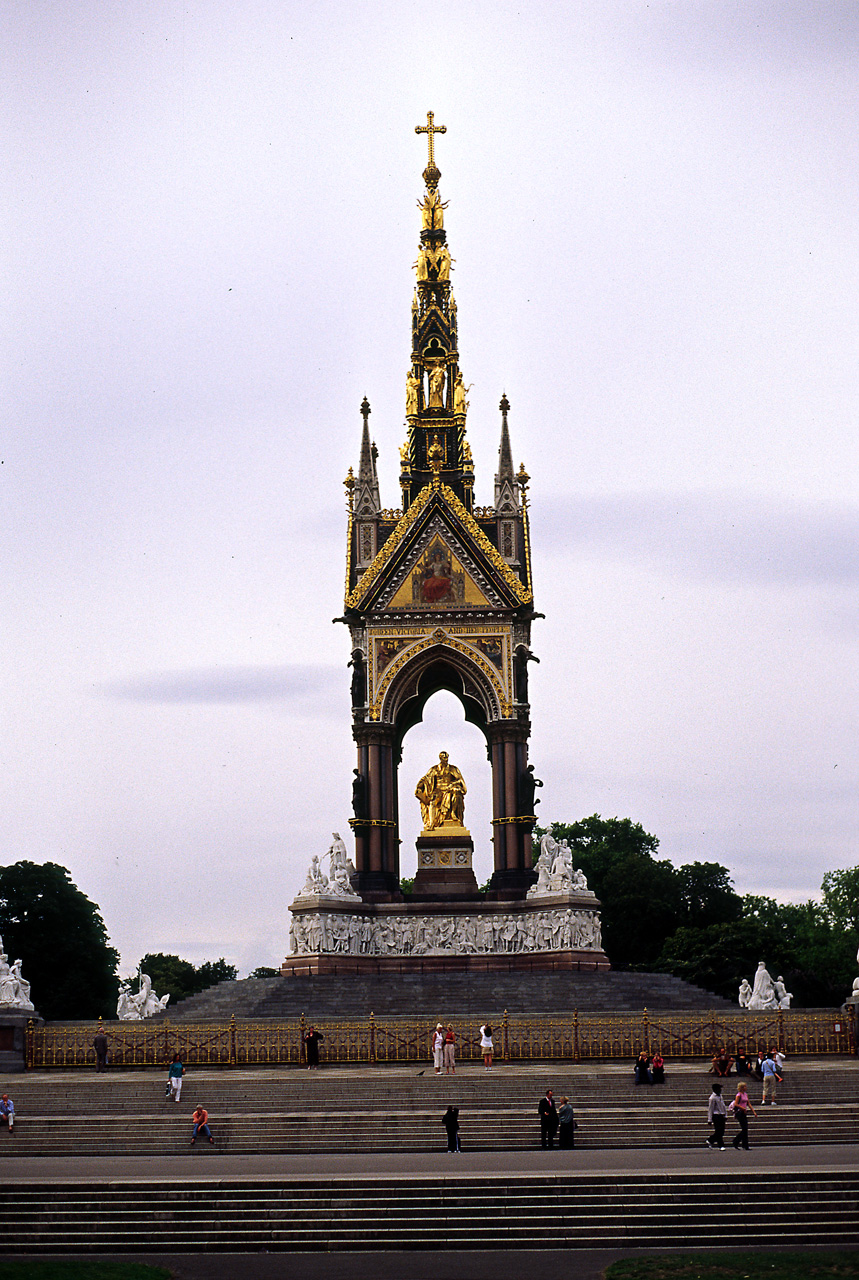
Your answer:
<point x="444" y="665"/>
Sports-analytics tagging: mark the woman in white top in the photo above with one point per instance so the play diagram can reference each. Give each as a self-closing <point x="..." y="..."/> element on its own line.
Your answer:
<point x="438" y="1047"/>
<point x="486" y="1045"/>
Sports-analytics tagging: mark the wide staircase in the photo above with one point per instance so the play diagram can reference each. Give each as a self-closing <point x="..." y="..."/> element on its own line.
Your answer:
<point x="461" y="1212"/>
<point x="197" y="1203"/>
<point x="291" y="1111"/>
<point x="472" y="994"/>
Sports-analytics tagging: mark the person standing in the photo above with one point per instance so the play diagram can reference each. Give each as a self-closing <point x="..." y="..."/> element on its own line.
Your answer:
<point x="548" y="1114"/>
<point x="486" y="1045"/>
<point x="769" y="1071"/>
<point x="175" y="1073"/>
<point x="312" y="1041"/>
<point x="450" y="1120"/>
<point x="717" y="1116"/>
<point x="7" y="1111"/>
<point x="100" y="1046"/>
<point x="201" y="1124"/>
<point x="449" y="1051"/>
<point x="566" y="1125"/>
<point x="438" y="1048"/>
<point x="741" y="1106"/>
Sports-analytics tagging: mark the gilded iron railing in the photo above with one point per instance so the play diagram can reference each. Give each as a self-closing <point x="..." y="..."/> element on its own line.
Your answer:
<point x="580" y="1037"/>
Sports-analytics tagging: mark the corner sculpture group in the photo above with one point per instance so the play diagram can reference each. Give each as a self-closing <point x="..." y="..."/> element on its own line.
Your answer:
<point x="764" y="994"/>
<point x="14" y="988"/>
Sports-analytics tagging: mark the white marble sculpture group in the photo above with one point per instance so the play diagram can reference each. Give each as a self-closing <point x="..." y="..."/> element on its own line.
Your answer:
<point x="342" y="933"/>
<point x="131" y="1007"/>
<point x="14" y="988"/>
<point x="335" y="885"/>
<point x="555" y="871"/>
<point x="764" y="994"/>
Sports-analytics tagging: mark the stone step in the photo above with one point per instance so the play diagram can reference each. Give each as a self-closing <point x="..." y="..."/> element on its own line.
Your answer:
<point x="486" y="1130"/>
<point x="378" y="1213"/>
<point x="355" y="995"/>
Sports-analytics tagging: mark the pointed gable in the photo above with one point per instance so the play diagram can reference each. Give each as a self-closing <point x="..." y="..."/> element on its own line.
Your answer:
<point x="437" y="538"/>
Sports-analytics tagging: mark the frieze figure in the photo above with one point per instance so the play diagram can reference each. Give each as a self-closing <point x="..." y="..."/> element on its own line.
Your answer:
<point x="460" y="404"/>
<point x="528" y="784"/>
<point x="359" y="678"/>
<point x="436" y="387"/>
<point x="359" y="794"/>
<point x="412" y="387"/>
<point x="521" y="658"/>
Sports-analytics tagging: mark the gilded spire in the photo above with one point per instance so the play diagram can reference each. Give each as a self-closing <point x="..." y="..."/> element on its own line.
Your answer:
<point x="431" y="174"/>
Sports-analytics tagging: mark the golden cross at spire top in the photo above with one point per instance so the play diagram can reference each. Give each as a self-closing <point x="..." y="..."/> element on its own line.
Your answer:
<point x="430" y="128"/>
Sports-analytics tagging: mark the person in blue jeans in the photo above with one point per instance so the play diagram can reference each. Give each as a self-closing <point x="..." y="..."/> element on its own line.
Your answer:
<point x="201" y="1126"/>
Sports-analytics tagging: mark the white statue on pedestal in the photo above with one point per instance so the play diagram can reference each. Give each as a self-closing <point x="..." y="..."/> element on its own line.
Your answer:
<point x="134" y="1008"/>
<point x="763" y="995"/>
<point x="316" y="883"/>
<point x="745" y="993"/>
<point x="784" y="997"/>
<point x="14" y="989"/>
<point x="543" y="869"/>
<point x="339" y="885"/>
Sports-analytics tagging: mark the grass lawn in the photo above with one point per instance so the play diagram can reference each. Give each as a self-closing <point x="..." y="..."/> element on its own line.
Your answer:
<point x="735" y="1266"/>
<point x="79" y="1269"/>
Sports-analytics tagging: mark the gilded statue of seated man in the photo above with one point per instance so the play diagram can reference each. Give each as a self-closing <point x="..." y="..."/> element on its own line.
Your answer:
<point x="441" y="792"/>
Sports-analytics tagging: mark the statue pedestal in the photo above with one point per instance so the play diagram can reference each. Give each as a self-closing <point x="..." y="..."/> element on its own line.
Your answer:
<point x="13" y="1032"/>
<point x="444" y="864"/>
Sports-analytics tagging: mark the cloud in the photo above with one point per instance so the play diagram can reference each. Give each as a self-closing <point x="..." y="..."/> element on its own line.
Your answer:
<point x="307" y="687"/>
<point x="729" y="537"/>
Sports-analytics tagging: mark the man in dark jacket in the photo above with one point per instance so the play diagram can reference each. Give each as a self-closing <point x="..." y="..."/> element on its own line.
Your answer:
<point x="100" y="1046"/>
<point x="548" y="1113"/>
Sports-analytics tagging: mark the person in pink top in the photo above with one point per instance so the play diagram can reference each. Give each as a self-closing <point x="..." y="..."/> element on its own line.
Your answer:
<point x="741" y="1106"/>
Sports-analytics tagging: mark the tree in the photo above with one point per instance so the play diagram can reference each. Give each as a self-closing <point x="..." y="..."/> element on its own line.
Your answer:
<point x="640" y="896"/>
<point x="181" y="978"/>
<point x="60" y="937"/>
<point x="644" y="900"/>
<point x="841" y="898"/>
<point x="264" y="971"/>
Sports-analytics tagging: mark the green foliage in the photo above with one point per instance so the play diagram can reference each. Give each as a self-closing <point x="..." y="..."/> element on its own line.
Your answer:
<point x="617" y="858"/>
<point x="60" y="937"/>
<point x="264" y="971"/>
<point x="798" y="941"/>
<point x="407" y="884"/>
<point x="841" y="899"/>
<point x="758" y="1265"/>
<point x="181" y="978"/>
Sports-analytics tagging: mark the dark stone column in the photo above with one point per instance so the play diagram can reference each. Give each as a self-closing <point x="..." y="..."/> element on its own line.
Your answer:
<point x="508" y="742"/>
<point x="377" y="843"/>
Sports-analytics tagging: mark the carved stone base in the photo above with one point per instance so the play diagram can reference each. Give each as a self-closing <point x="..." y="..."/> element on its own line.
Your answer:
<point x="464" y="932"/>
<point x="525" y="962"/>
<point x="444" y="865"/>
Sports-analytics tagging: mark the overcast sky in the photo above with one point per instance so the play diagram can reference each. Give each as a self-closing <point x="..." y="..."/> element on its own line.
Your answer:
<point x="211" y="214"/>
